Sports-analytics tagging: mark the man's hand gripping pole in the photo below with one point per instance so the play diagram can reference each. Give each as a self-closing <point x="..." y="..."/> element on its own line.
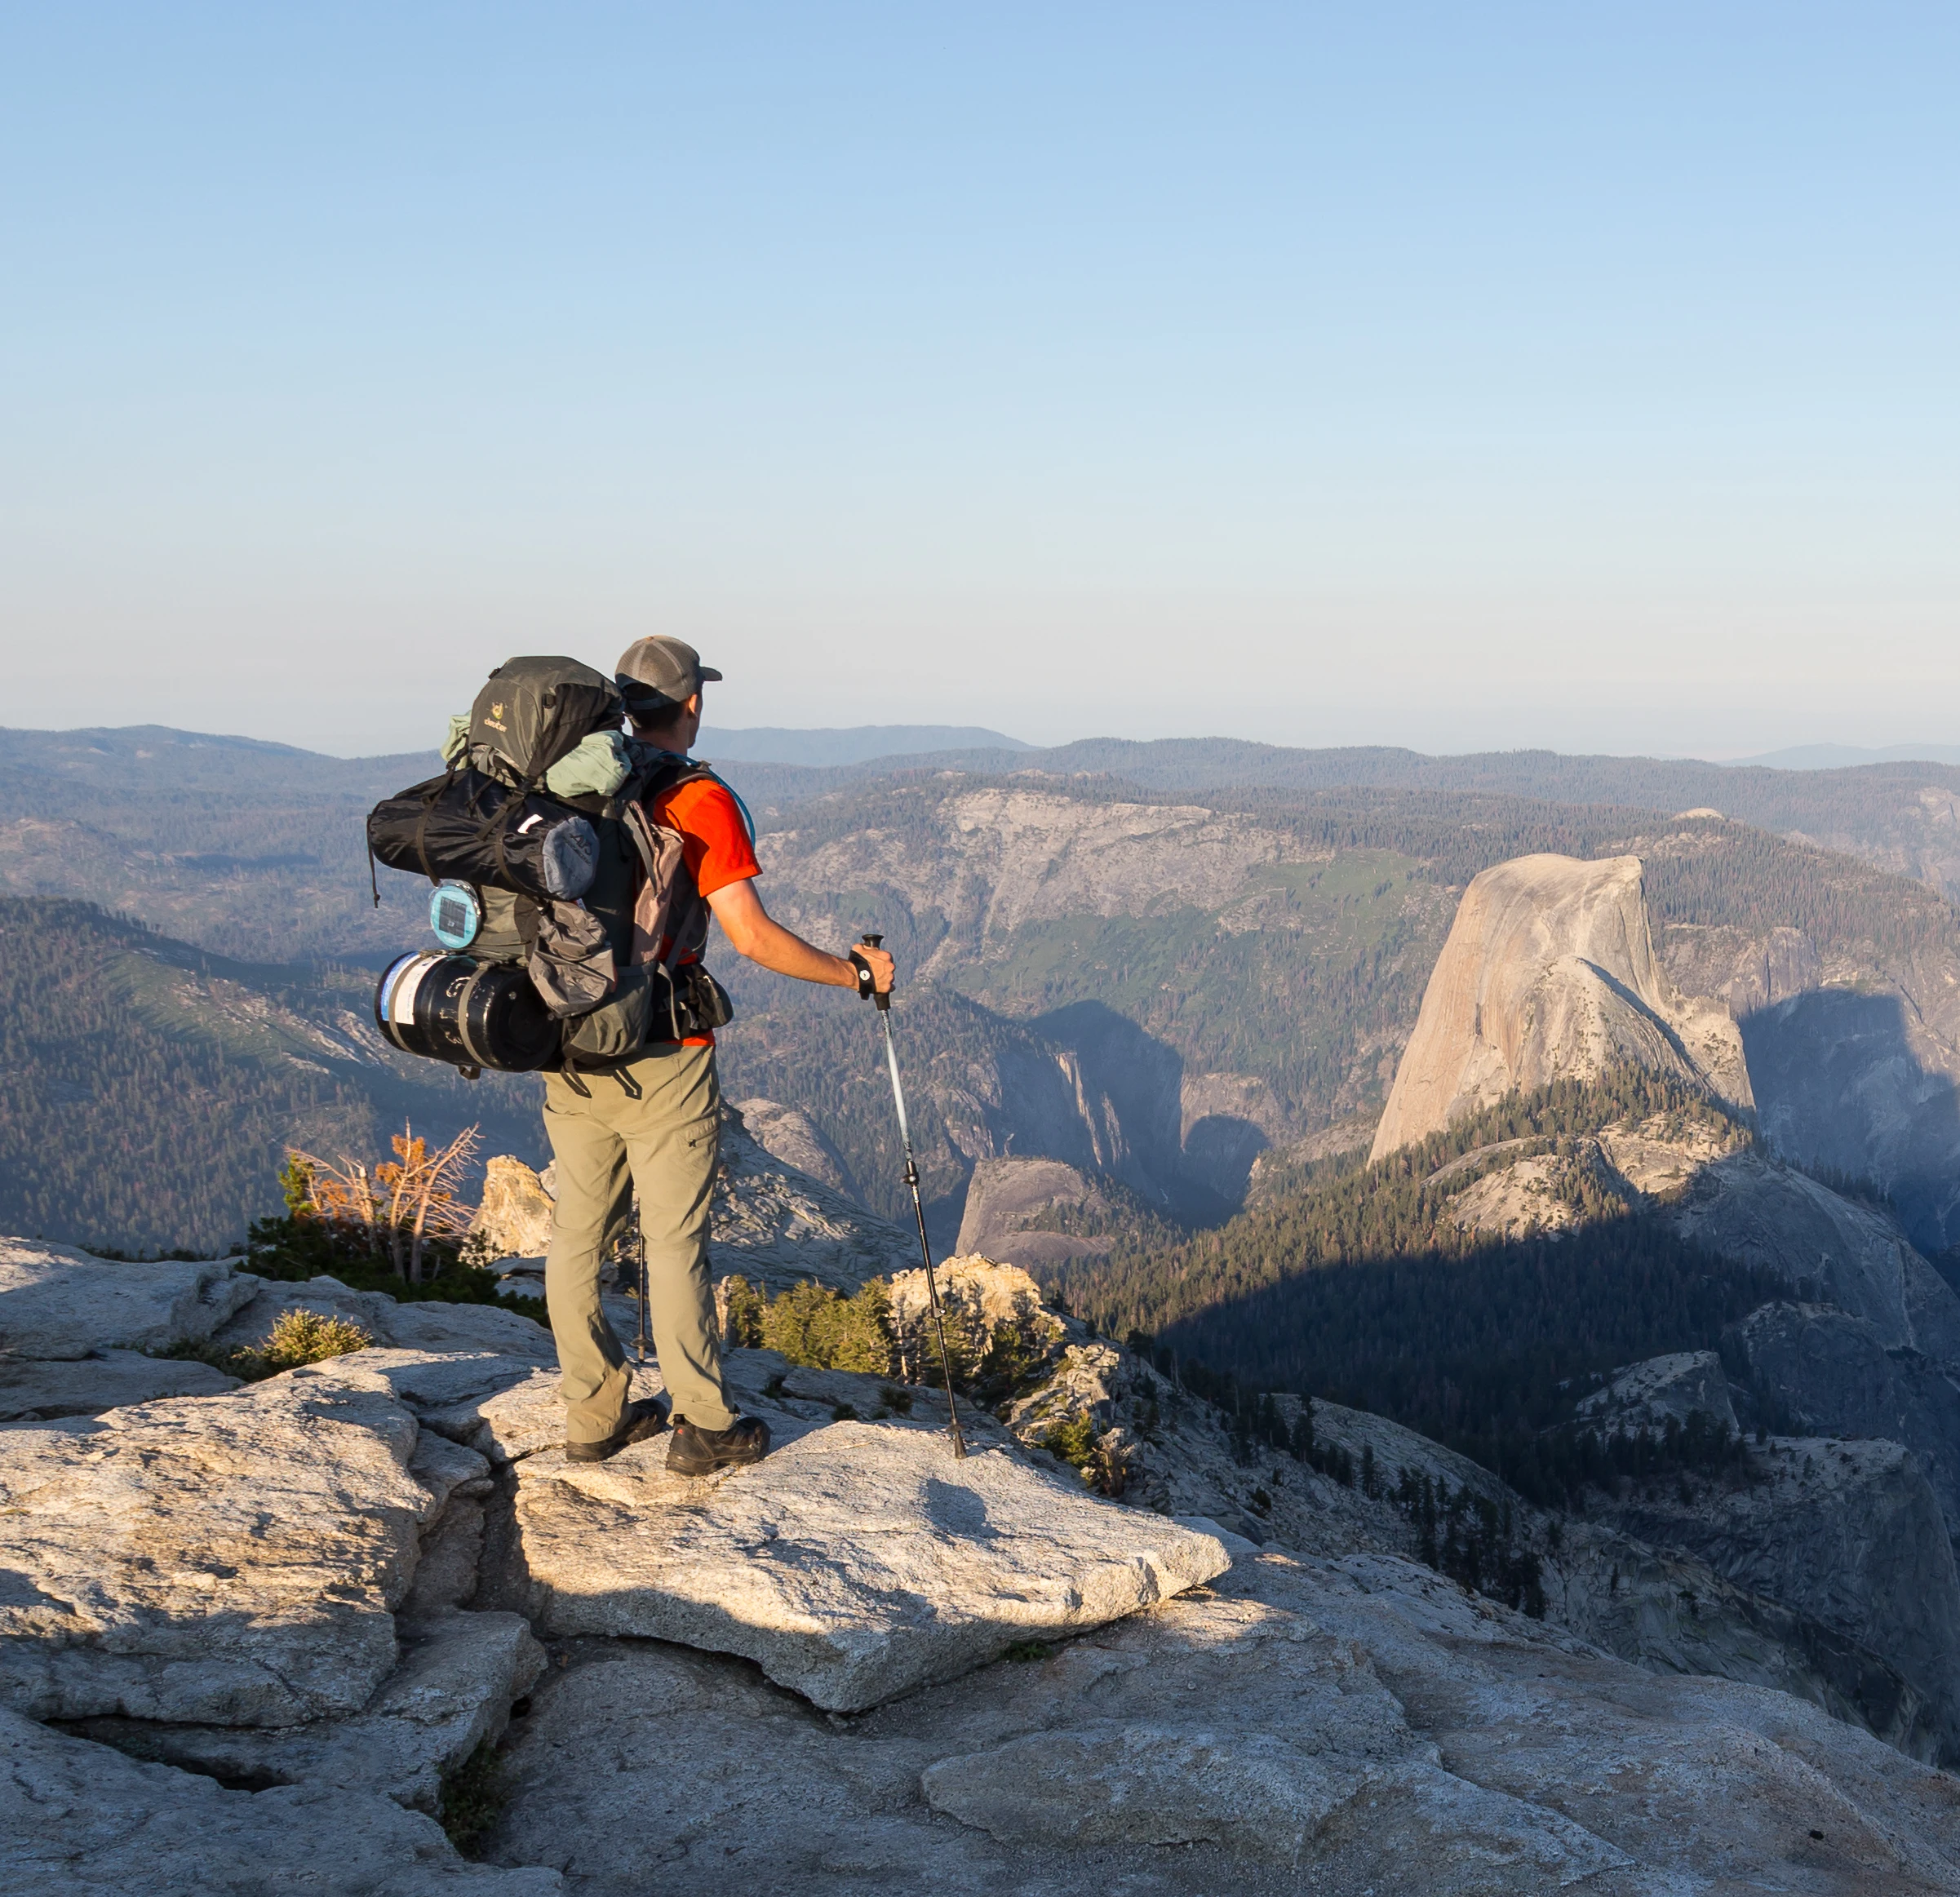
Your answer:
<point x="869" y="989"/>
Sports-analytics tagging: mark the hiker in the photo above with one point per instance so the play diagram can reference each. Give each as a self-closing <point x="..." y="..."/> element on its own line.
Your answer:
<point x="650" y="1119"/>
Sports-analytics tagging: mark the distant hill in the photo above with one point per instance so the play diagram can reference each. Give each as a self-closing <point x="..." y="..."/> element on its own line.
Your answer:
<point x="1832" y="757"/>
<point x="846" y="745"/>
<point x="254" y="850"/>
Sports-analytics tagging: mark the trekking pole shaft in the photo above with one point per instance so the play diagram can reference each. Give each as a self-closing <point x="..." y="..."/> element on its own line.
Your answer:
<point x="926" y="1249"/>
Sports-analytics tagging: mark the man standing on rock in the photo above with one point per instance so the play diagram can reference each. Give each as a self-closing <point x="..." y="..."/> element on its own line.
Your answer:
<point x="651" y="1118"/>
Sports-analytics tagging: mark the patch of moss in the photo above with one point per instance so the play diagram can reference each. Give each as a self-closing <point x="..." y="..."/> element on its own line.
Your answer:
<point x="474" y="1794"/>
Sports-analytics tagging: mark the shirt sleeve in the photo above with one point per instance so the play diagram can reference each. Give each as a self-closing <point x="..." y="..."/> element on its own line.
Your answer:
<point x="714" y="835"/>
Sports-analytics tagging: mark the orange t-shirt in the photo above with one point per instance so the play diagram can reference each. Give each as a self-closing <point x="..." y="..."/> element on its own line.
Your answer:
<point x="714" y="842"/>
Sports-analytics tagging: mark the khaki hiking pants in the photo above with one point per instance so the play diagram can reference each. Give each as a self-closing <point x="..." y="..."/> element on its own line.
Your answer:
<point x="666" y="1143"/>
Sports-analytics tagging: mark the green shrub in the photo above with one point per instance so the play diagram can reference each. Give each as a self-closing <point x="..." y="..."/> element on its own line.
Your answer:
<point x="746" y="1306"/>
<point x="815" y="1326"/>
<point x="296" y="1246"/>
<point x="299" y="1336"/>
<point x="1072" y="1441"/>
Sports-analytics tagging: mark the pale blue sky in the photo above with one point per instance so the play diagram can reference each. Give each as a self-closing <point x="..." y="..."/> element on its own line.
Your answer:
<point x="1444" y="375"/>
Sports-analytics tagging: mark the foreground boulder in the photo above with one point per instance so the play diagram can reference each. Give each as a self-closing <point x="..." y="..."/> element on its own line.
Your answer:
<point x="857" y="1563"/>
<point x="229" y="1560"/>
<point x="81" y="1820"/>
<point x="453" y="1691"/>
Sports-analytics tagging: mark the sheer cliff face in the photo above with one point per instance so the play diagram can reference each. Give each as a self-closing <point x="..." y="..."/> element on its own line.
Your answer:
<point x="1550" y="974"/>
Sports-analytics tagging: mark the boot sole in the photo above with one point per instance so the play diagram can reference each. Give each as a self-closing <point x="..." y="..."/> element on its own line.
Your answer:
<point x="709" y="1465"/>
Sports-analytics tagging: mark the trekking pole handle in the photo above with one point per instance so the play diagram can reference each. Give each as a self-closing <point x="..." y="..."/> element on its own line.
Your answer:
<point x="867" y="987"/>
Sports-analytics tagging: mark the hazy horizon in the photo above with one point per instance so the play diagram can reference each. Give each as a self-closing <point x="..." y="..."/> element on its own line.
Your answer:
<point x="1788" y="757"/>
<point x="1462" y="382"/>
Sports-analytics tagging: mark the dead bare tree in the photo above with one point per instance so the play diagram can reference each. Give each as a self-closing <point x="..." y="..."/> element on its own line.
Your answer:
<point x="403" y="1203"/>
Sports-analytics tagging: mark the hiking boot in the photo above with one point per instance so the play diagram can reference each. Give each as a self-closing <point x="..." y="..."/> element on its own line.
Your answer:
<point x="697" y="1452"/>
<point x="641" y="1420"/>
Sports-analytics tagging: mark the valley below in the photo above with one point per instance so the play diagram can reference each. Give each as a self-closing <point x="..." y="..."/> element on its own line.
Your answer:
<point x="1480" y="1247"/>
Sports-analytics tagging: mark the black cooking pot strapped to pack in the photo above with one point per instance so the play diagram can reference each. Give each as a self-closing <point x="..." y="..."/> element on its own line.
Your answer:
<point x="468" y="1012"/>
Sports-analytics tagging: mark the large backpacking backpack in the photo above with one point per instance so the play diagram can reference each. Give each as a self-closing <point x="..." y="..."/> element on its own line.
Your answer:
<point x="487" y="830"/>
<point x="550" y="980"/>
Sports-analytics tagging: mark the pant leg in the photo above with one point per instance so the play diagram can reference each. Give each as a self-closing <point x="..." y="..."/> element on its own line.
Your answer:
<point x="592" y="1184"/>
<point x="672" y="1135"/>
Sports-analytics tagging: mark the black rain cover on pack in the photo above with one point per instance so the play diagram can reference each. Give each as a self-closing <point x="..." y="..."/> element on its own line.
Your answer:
<point x="465" y="827"/>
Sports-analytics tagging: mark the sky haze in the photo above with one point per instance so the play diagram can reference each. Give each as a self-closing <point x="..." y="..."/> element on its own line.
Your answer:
<point x="1460" y="378"/>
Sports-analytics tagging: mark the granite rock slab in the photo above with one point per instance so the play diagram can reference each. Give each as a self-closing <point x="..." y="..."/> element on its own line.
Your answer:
<point x="39" y="1388"/>
<point x="78" y="1820"/>
<point x="448" y="1329"/>
<point x="226" y="1560"/>
<point x="453" y="1690"/>
<point x="58" y="1303"/>
<point x="1338" y="1726"/>
<point x="857" y="1563"/>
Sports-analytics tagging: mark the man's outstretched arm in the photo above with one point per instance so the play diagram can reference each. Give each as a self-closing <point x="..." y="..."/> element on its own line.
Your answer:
<point x="749" y="929"/>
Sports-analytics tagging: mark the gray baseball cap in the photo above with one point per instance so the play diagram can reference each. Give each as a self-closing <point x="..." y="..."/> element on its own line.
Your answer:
<point x="657" y="671"/>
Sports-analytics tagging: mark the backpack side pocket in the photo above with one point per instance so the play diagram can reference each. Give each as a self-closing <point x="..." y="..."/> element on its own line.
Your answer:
<point x="618" y="1028"/>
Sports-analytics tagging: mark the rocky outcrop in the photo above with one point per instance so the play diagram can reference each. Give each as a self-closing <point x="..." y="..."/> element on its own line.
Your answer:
<point x="858" y="1562"/>
<point x="514" y="1218"/>
<point x="1854" y="1057"/>
<point x="1549" y="973"/>
<point x="452" y="1691"/>
<point x="1663" y="1390"/>
<point x="35" y="1388"/>
<point x="789" y="1134"/>
<point x="1848" y="1533"/>
<point x="1349" y="1724"/>
<point x="320" y="1585"/>
<point x="57" y="1303"/>
<point x="1227" y="1120"/>
<point x="1828" y="1373"/>
<point x="78" y="1820"/>
<point x="1006" y="1198"/>
<point x="224" y="1560"/>
<point x="1832" y="1249"/>
<point x="1864" y="1079"/>
<point x="777" y="1226"/>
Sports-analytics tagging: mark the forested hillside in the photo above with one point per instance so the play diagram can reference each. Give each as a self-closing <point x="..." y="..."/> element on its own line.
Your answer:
<point x="247" y="850"/>
<point x="147" y="1091"/>
<point x="1356" y="1284"/>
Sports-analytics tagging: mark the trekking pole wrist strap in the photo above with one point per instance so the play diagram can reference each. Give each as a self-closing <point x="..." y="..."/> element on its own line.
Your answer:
<point x="868" y="985"/>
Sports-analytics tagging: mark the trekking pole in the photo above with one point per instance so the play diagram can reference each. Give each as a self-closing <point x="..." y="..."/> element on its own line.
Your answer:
<point x="869" y="989"/>
<point x="636" y="1243"/>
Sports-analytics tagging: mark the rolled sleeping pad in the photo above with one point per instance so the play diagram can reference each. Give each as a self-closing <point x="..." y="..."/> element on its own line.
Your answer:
<point x="450" y="829"/>
<point x="468" y="1012"/>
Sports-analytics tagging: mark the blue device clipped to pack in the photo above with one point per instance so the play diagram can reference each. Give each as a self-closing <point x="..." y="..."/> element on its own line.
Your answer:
<point x="455" y="915"/>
